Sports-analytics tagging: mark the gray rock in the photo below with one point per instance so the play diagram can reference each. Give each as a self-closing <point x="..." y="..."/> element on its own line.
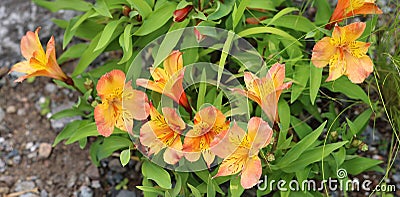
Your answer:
<point x="71" y="181"/>
<point x="29" y="195"/>
<point x="43" y="193"/>
<point x="92" y="172"/>
<point x="2" y="114"/>
<point x="24" y="185"/>
<point x="85" y="191"/>
<point x="50" y="88"/>
<point x="11" y="109"/>
<point x="2" y="166"/>
<point x="9" y="180"/>
<point x="126" y="193"/>
<point x="4" y="190"/>
<point x="396" y="178"/>
<point x="95" y="184"/>
<point x="44" y="150"/>
<point x="115" y="165"/>
<point x="21" y="112"/>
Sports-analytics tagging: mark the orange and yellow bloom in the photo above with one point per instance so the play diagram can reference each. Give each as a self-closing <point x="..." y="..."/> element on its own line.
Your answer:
<point x="240" y="150"/>
<point x="163" y="132"/>
<point x="38" y="62"/>
<point x="267" y="90"/>
<point x="208" y="123"/>
<point x="344" y="54"/>
<point x="111" y="113"/>
<point x="168" y="81"/>
<point x="348" y="8"/>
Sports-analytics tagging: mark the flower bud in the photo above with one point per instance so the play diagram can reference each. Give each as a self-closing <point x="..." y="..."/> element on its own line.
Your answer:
<point x="270" y="157"/>
<point x="363" y="147"/>
<point x="180" y="15"/>
<point x="126" y="10"/>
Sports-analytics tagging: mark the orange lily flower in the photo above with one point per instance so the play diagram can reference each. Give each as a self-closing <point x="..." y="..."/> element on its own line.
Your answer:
<point x="38" y="62"/>
<point x="111" y="113"/>
<point x="208" y="123"/>
<point x="266" y="91"/>
<point x="344" y="54"/>
<point x="348" y="8"/>
<point x="240" y="150"/>
<point x="163" y="132"/>
<point x="168" y="81"/>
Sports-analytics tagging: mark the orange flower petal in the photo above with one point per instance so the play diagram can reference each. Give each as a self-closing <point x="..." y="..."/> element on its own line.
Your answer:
<point x="103" y="116"/>
<point x="109" y="82"/>
<point x="358" y="69"/>
<point x="251" y="172"/>
<point x="173" y="63"/>
<point x="234" y="163"/>
<point x="367" y="8"/>
<point x="226" y="143"/>
<point x="259" y="133"/>
<point x="174" y="121"/>
<point x="348" y="33"/>
<point x="136" y="102"/>
<point x="208" y="157"/>
<point x="31" y="43"/>
<point x="337" y="68"/>
<point x="149" y="85"/>
<point x="322" y="52"/>
<point x="172" y="156"/>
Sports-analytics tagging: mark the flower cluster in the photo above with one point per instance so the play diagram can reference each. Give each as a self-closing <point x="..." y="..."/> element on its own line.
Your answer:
<point x="211" y="129"/>
<point x="210" y="134"/>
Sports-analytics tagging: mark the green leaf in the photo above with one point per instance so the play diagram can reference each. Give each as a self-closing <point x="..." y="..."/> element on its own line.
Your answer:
<point x="343" y="85"/>
<point x="69" y="130"/>
<point x="125" y="156"/>
<point x="300" y="147"/>
<point x="295" y="22"/>
<point x="112" y="144"/>
<point x="82" y="143"/>
<point x="157" y="174"/>
<point x="151" y="189"/>
<point x="362" y="120"/>
<point x="127" y="44"/>
<point x="300" y="77"/>
<point x="194" y="190"/>
<point x="358" y="164"/>
<point x="271" y="30"/>
<point x="83" y="131"/>
<point x="238" y="13"/>
<point x="69" y="33"/>
<point x="107" y="34"/>
<point x="311" y="156"/>
<point x="156" y="19"/>
<point x="300" y="127"/>
<point x="222" y="10"/>
<point x="202" y="89"/>
<point x="263" y="4"/>
<point x="102" y="8"/>
<point x="284" y="116"/>
<point x="282" y="13"/>
<point x="210" y="187"/>
<point x="54" y="6"/>
<point x="90" y="54"/>
<point x="235" y="188"/>
<point x="67" y="113"/>
<point x="142" y="7"/>
<point x="72" y="52"/>
<point x="82" y="19"/>
<point x="324" y="12"/>
<point x="315" y="81"/>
